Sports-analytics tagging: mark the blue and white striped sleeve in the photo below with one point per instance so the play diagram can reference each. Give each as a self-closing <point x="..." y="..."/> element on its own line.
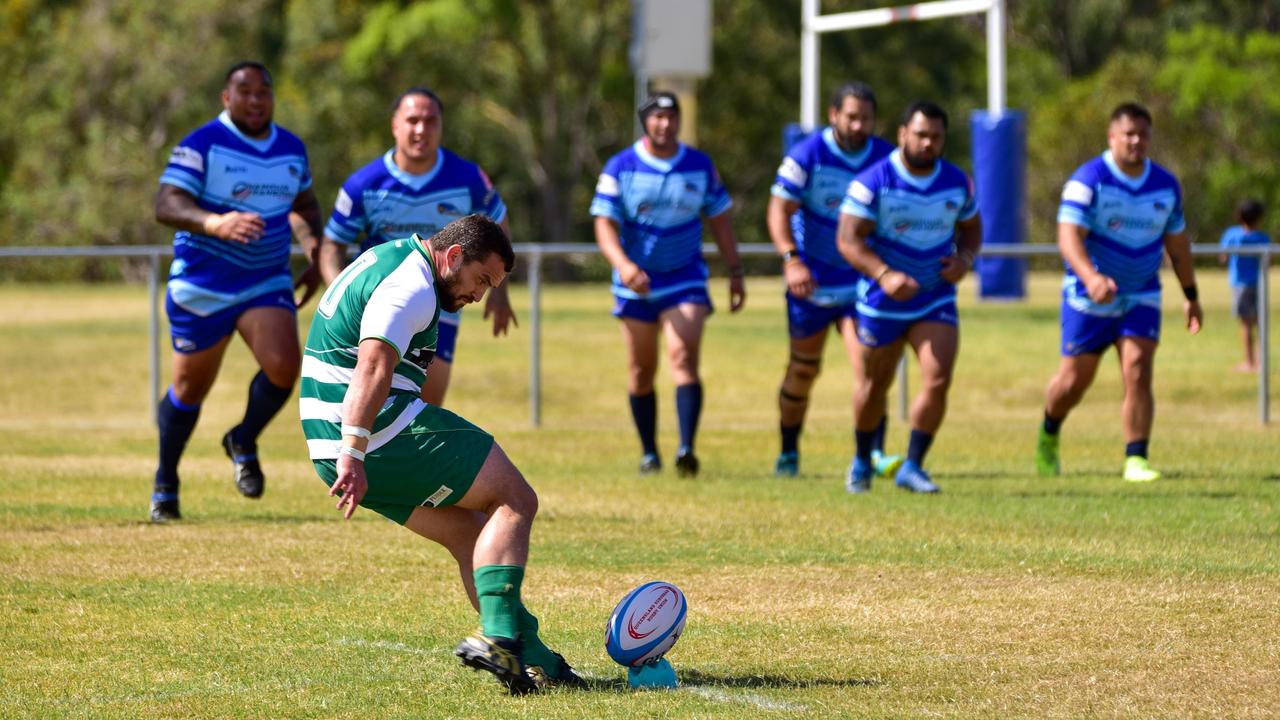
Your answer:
<point x="862" y="199"/>
<point x="607" y="201"/>
<point x="1177" y="219"/>
<point x="1078" y="198"/>
<point x="792" y="178"/>
<point x="717" y="200"/>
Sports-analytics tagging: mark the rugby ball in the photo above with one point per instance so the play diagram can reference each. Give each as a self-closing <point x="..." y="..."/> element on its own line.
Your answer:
<point x="646" y="624"/>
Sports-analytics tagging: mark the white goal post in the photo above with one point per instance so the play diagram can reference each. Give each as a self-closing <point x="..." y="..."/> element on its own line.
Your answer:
<point x="813" y="24"/>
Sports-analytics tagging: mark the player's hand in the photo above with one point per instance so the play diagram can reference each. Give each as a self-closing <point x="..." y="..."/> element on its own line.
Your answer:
<point x="351" y="482"/>
<point x="309" y="281"/>
<point x="498" y="304"/>
<point x="1195" y="315"/>
<point x="1101" y="288"/>
<point x="899" y="285"/>
<point x="634" y="278"/>
<point x="954" y="268"/>
<point x="235" y="226"/>
<point x="737" y="293"/>
<point x="799" y="280"/>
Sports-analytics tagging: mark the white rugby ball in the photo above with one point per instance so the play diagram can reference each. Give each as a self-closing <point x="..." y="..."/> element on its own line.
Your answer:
<point x="646" y="624"/>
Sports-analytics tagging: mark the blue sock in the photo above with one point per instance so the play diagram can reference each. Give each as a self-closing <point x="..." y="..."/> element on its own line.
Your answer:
<point x="265" y="400"/>
<point x="864" y="441"/>
<point x="1136" y="448"/>
<point x="1052" y="424"/>
<point x="918" y="446"/>
<point x="176" y="421"/>
<point x="878" y="443"/>
<point x="688" y="410"/>
<point x="790" y="438"/>
<point x="644" y="411"/>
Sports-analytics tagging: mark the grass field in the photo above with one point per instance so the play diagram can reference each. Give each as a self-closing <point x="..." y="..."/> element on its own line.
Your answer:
<point x="1006" y="596"/>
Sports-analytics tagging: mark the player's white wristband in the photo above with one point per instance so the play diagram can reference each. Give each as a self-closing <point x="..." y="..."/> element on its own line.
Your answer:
<point x="354" y="453"/>
<point x="356" y="430"/>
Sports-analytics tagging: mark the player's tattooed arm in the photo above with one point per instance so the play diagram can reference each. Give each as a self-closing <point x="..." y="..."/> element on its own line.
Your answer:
<point x="178" y="209"/>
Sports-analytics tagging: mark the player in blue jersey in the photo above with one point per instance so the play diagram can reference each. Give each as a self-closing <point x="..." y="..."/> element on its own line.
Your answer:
<point x="416" y="187"/>
<point x="1119" y="214"/>
<point x="229" y="189"/>
<point x="1242" y="274"/>
<point x="821" y="286"/>
<point x="649" y="207"/>
<point x="910" y="224"/>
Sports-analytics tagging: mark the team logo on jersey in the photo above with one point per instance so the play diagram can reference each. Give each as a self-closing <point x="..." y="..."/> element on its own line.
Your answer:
<point x="644" y="208"/>
<point x="421" y="357"/>
<point x="950" y="205"/>
<point x="1160" y="206"/>
<point x="902" y="226"/>
<point x="445" y="208"/>
<point x="691" y="188"/>
<point x="833" y="201"/>
<point x="242" y="191"/>
<point x="294" y="171"/>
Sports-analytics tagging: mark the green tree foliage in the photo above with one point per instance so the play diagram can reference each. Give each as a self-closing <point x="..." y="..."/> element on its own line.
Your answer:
<point x="540" y="93"/>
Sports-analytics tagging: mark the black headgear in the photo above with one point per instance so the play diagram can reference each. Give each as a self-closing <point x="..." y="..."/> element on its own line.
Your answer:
<point x="658" y="101"/>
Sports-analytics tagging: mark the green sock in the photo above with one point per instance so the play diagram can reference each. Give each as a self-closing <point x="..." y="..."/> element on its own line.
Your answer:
<point x="498" y="587"/>
<point x="533" y="651"/>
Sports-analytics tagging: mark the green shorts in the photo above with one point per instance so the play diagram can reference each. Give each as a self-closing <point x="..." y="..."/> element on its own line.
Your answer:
<point x="431" y="463"/>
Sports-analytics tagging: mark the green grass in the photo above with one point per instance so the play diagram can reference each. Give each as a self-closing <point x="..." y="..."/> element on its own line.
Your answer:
<point x="1006" y="596"/>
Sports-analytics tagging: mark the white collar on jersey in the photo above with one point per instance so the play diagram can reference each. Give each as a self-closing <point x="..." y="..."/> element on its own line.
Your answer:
<point x="417" y="182"/>
<point x="853" y="158"/>
<point x="261" y="144"/>
<point x="1133" y="182"/>
<point x="663" y="164"/>
<point x="920" y="183"/>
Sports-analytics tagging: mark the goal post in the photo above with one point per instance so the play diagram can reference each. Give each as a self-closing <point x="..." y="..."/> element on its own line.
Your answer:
<point x="999" y="135"/>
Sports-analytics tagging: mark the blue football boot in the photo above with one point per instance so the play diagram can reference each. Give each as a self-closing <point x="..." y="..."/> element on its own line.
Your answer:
<point x="913" y="477"/>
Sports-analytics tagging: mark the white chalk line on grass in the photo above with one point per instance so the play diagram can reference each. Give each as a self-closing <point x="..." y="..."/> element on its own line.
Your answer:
<point x="760" y="701"/>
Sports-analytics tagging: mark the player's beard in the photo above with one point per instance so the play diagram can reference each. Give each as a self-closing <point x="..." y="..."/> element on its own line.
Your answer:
<point x="917" y="162"/>
<point x="850" y="142"/>
<point x="447" y="291"/>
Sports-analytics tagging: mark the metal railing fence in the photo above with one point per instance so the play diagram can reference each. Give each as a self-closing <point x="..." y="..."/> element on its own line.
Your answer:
<point x="535" y="253"/>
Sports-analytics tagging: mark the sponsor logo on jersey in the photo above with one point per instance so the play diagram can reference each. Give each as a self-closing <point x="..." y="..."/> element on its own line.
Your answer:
<point x="421" y="357"/>
<point x="1077" y="192"/>
<point x="861" y="193"/>
<point x="234" y="169"/>
<point x="792" y="172"/>
<point x="832" y="201"/>
<point x="401" y="229"/>
<point x="188" y="158"/>
<point x="608" y="185"/>
<point x="445" y="208"/>
<point x="242" y="191"/>
<point x="343" y="204"/>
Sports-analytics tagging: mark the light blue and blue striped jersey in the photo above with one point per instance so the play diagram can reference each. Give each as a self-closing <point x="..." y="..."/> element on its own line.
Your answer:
<point x="1242" y="270"/>
<point x="816" y="173"/>
<point x="227" y="170"/>
<point x="1127" y="219"/>
<point x="383" y="202"/>
<point x="659" y="204"/>
<point x="915" y="221"/>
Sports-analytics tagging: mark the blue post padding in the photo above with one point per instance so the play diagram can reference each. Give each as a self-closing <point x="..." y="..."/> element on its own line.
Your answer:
<point x="999" y="168"/>
<point x="792" y="133"/>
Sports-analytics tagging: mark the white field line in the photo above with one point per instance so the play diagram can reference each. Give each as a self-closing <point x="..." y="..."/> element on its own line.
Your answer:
<point x="758" y="701"/>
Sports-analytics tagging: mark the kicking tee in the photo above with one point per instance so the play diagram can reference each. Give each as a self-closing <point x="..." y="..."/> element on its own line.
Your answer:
<point x="816" y="173"/>
<point x="659" y="204"/>
<point x="1127" y="219"/>
<point x="227" y="170"/>
<point x="915" y="221"/>
<point x="388" y="293"/>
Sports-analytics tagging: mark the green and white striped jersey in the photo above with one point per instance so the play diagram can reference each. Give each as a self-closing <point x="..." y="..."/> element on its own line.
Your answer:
<point x="388" y="293"/>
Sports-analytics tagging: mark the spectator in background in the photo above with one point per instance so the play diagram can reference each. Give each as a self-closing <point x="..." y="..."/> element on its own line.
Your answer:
<point x="1242" y="273"/>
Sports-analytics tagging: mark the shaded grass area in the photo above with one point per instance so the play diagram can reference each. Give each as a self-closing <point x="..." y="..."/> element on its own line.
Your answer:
<point x="1007" y="596"/>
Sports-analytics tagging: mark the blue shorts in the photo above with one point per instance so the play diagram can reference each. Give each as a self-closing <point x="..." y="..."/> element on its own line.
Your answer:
<point x="446" y="337"/>
<point x="804" y="319"/>
<point x="648" y="310"/>
<point x="192" y="333"/>
<point x="1084" y="334"/>
<point x="880" y="331"/>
